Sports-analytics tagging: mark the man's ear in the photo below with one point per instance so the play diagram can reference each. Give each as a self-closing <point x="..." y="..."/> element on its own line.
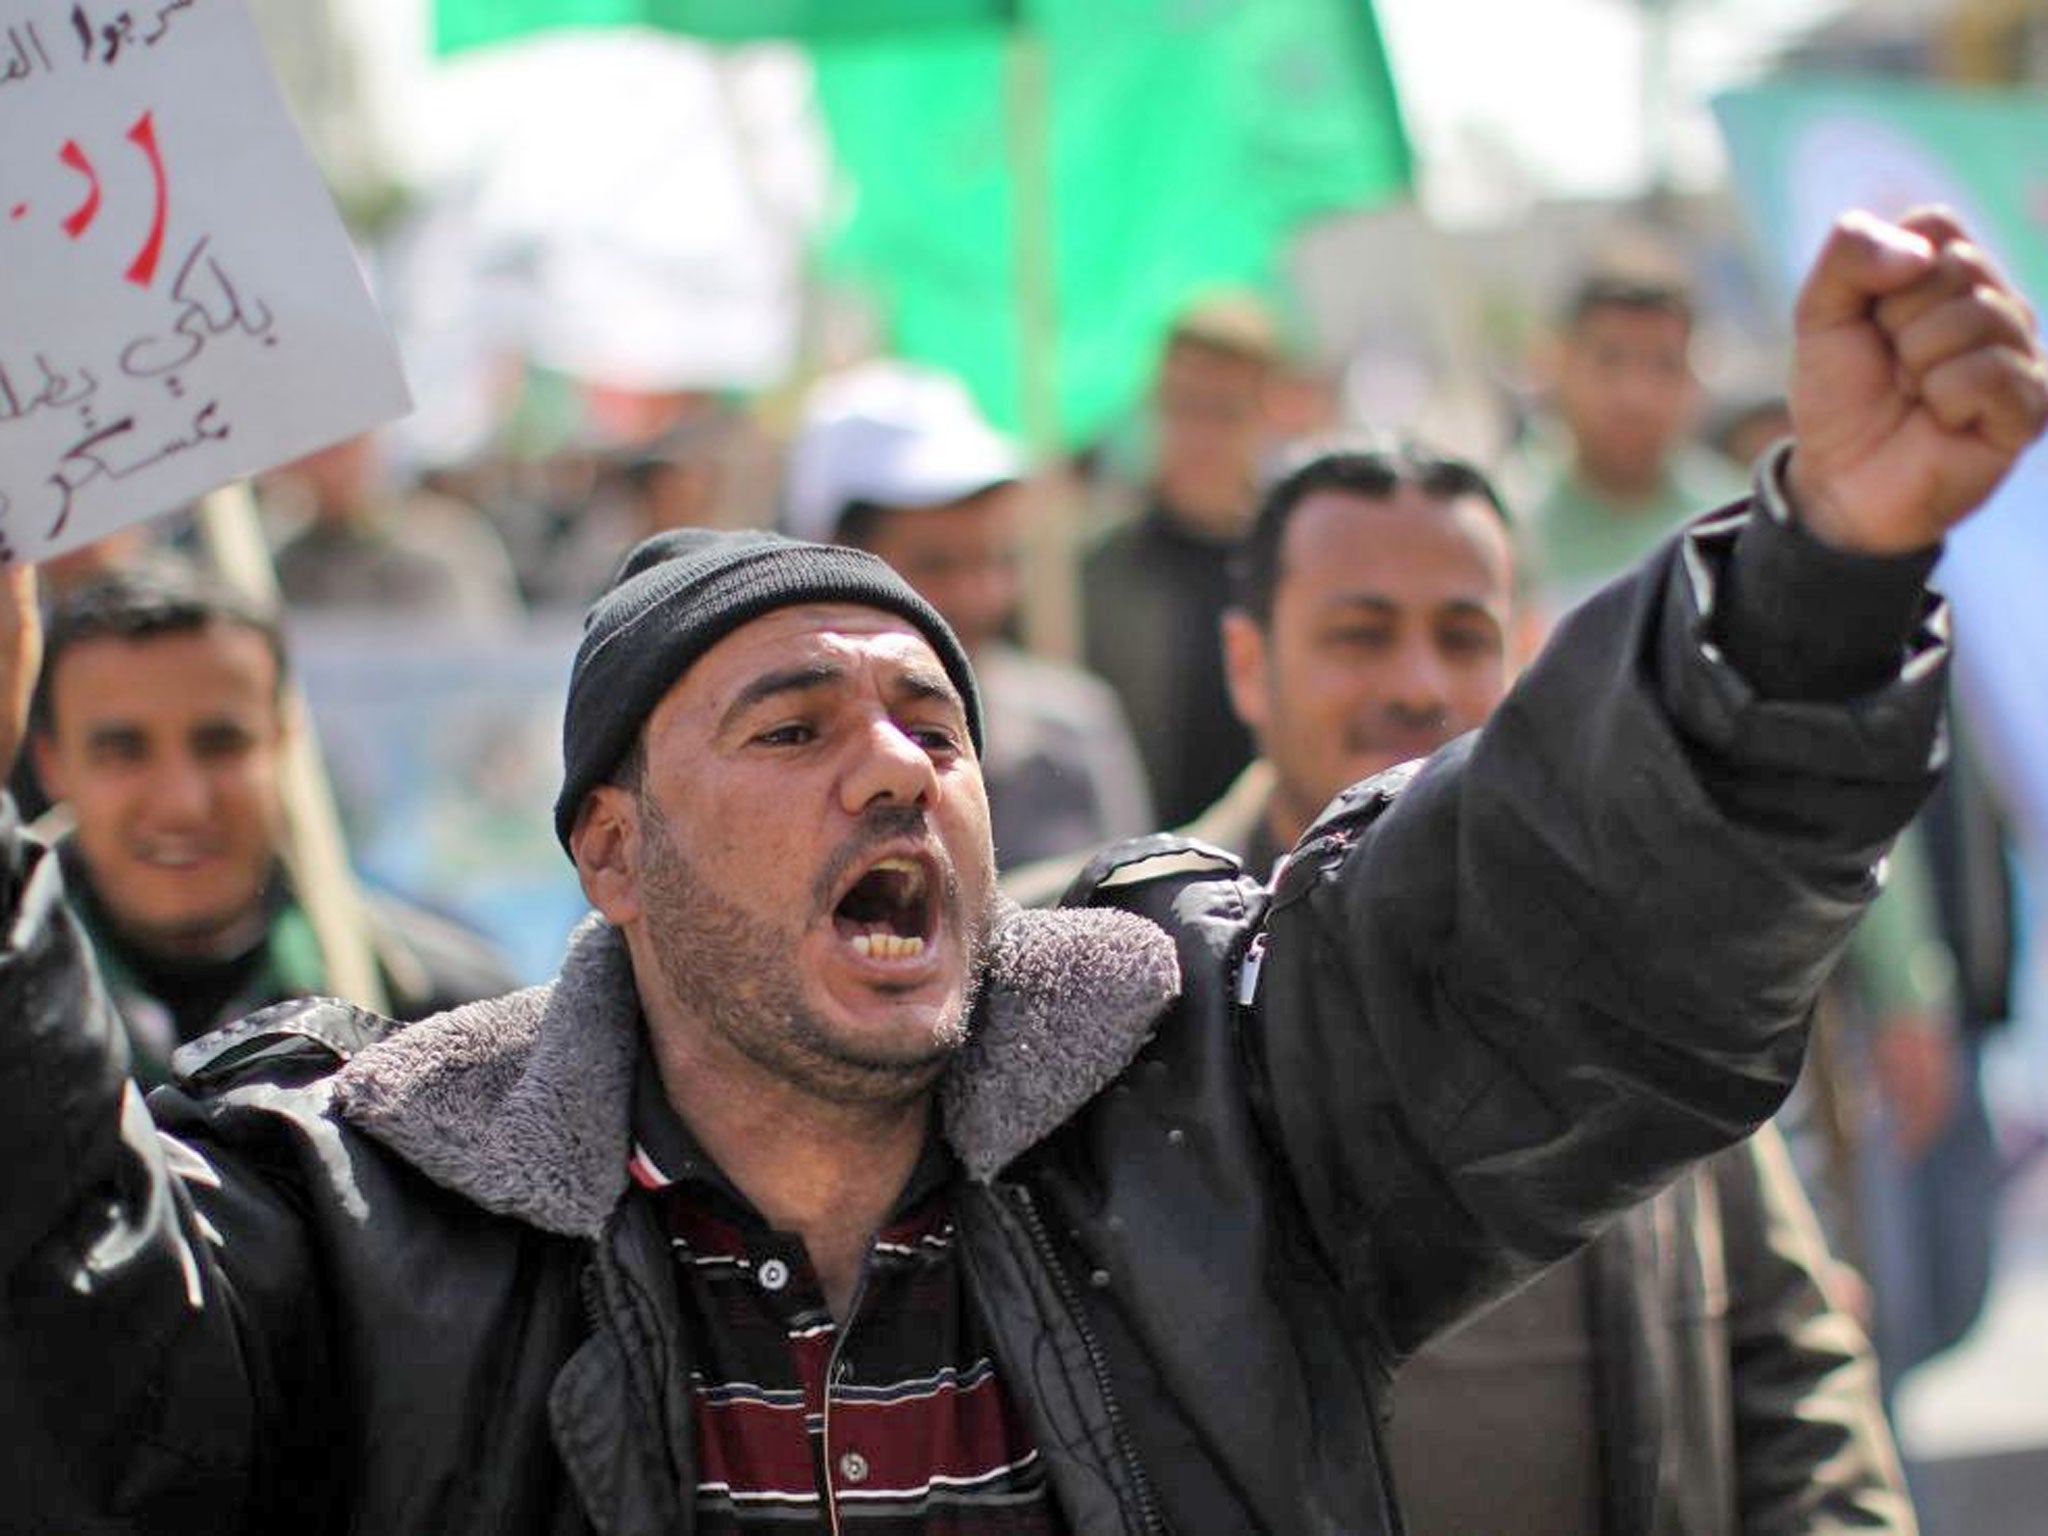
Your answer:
<point x="605" y="843"/>
<point x="1244" y="669"/>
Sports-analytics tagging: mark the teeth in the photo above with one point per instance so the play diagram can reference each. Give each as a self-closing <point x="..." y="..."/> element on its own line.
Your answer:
<point x="887" y="946"/>
<point x="175" y="858"/>
<point x="908" y="868"/>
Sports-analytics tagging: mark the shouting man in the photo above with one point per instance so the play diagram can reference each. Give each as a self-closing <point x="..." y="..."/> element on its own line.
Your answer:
<point x="821" y="1188"/>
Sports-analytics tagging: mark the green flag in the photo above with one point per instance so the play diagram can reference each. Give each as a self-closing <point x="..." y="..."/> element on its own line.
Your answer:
<point x="460" y="24"/>
<point x="1187" y="139"/>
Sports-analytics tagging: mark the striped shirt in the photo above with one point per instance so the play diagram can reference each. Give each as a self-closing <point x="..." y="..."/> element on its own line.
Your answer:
<point x="896" y="1423"/>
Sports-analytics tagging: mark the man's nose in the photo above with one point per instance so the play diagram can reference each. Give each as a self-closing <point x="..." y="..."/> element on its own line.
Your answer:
<point x="1418" y="684"/>
<point x="180" y="788"/>
<point x="890" y="766"/>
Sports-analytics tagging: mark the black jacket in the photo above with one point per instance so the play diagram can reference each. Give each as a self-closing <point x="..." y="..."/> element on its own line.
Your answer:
<point x="1222" y="1170"/>
<point x="1728" y="1393"/>
<point x="1737" y="1398"/>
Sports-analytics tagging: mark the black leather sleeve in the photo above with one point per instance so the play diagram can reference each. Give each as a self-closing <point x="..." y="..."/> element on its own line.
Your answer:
<point x="136" y="1381"/>
<point x="1805" y="683"/>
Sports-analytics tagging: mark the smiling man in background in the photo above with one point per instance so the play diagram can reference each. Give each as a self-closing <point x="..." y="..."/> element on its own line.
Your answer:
<point x="159" y="724"/>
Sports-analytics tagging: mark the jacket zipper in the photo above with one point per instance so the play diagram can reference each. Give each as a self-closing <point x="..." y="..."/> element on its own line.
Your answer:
<point x="595" y="1312"/>
<point x="1249" y="968"/>
<point x="601" y="1311"/>
<point x="1148" y="1504"/>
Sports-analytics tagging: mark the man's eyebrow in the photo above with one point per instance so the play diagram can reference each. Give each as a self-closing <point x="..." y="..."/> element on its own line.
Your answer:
<point x="1472" y="608"/>
<point x="1372" y="602"/>
<point x="114" y="733"/>
<point x="222" y="728"/>
<point x="921" y="684"/>
<point x="769" y="685"/>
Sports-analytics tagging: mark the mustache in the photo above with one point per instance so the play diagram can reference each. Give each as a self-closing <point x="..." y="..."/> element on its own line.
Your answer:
<point x="881" y="825"/>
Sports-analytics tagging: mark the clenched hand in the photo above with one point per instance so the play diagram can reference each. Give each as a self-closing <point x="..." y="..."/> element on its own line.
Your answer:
<point x="1918" y="380"/>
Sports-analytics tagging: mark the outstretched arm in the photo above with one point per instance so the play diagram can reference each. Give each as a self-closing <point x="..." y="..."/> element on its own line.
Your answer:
<point x="1578" y="949"/>
<point x="136" y="1381"/>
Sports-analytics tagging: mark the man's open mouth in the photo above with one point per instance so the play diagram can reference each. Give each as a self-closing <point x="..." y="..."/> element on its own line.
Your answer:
<point x="892" y="910"/>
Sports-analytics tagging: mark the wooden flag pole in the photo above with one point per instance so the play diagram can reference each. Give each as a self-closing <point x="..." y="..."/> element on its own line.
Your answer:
<point x="1051" y="615"/>
<point x="315" y="854"/>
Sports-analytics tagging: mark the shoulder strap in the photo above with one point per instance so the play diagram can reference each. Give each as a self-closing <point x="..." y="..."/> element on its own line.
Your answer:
<point x="317" y="1032"/>
<point x="1144" y="861"/>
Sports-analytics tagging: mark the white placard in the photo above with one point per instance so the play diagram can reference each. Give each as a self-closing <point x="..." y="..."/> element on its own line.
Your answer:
<point x="179" y="305"/>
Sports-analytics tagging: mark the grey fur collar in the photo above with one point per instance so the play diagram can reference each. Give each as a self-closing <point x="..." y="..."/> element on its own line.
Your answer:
<point x="522" y="1103"/>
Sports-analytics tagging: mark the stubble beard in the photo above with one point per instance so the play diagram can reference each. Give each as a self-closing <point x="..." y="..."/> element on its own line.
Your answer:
<point x="726" y="967"/>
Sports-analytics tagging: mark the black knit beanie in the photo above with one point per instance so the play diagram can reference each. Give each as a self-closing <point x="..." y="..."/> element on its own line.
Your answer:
<point x="679" y="593"/>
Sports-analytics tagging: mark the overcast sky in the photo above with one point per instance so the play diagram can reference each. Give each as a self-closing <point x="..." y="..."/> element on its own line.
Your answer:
<point x="1510" y="100"/>
<point x="1504" y="100"/>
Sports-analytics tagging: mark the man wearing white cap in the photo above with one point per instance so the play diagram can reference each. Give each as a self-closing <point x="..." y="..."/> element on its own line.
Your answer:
<point x="896" y="460"/>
